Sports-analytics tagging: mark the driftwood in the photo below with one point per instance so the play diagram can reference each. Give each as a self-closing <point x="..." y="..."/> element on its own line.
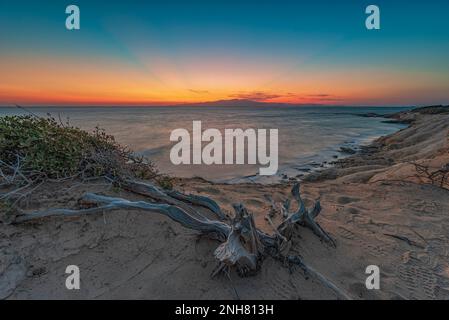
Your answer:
<point x="199" y="201"/>
<point x="93" y="203"/>
<point x="305" y="217"/>
<point x="172" y="197"/>
<point x="243" y="247"/>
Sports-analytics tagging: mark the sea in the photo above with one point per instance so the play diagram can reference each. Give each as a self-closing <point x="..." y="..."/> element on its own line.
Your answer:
<point x="309" y="138"/>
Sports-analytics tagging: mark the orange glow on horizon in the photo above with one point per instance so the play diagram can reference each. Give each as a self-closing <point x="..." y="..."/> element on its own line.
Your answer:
<point x="46" y="80"/>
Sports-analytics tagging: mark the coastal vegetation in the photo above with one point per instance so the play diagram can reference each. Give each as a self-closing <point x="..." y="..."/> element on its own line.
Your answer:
<point x="34" y="150"/>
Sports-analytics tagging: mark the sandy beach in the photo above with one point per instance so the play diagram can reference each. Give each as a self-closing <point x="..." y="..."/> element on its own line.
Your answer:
<point x="377" y="206"/>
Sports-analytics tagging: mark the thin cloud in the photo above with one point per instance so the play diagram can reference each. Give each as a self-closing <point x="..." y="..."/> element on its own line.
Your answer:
<point x="330" y="99"/>
<point x="199" y="91"/>
<point x="319" y="95"/>
<point x="255" y="95"/>
<point x="324" y="97"/>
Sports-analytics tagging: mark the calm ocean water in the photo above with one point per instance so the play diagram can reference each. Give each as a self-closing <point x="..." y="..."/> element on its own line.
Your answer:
<point x="308" y="136"/>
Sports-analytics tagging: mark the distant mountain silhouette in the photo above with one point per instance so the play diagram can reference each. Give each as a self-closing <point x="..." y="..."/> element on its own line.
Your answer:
<point x="240" y="103"/>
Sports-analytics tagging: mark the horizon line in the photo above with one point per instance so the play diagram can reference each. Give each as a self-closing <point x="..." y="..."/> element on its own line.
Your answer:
<point x="220" y="106"/>
<point x="216" y="103"/>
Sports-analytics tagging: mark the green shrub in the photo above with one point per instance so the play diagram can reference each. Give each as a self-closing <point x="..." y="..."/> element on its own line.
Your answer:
<point x="46" y="148"/>
<point x="165" y="182"/>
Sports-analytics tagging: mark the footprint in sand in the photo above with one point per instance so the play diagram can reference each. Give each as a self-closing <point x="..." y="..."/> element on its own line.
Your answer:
<point x="425" y="208"/>
<point x="345" y="233"/>
<point x="372" y="249"/>
<point x="253" y="202"/>
<point x="346" y="200"/>
<point x="418" y="282"/>
<point x="419" y="277"/>
<point x="207" y="190"/>
<point x="352" y="210"/>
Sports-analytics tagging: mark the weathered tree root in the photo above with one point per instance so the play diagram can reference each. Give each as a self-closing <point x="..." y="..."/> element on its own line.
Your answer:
<point x="199" y="201"/>
<point x="94" y="203"/>
<point x="172" y="197"/>
<point x="243" y="245"/>
<point x="305" y="217"/>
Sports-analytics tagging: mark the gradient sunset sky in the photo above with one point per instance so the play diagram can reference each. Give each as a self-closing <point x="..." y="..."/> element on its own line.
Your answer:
<point x="169" y="52"/>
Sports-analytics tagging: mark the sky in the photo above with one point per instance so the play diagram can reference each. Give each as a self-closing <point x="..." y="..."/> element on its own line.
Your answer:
<point x="170" y="52"/>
